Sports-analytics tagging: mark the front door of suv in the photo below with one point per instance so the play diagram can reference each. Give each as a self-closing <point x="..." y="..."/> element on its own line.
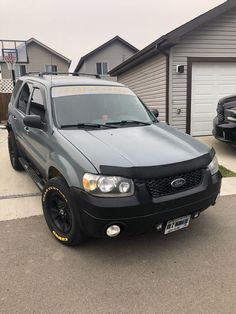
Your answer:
<point x="37" y="139"/>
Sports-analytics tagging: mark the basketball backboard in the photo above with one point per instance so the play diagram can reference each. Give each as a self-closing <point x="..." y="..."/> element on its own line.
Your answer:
<point x="15" y="48"/>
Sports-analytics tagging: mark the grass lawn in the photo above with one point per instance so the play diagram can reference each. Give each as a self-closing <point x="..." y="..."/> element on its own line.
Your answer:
<point x="226" y="172"/>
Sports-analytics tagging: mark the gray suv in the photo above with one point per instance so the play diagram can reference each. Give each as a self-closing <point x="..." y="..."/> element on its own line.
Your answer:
<point x="105" y="164"/>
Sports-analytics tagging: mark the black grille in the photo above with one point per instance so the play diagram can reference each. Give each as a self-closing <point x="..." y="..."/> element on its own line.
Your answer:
<point x="220" y="117"/>
<point x="220" y="113"/>
<point x="162" y="186"/>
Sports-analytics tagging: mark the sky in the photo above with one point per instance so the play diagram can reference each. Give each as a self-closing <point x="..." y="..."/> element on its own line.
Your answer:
<point x="75" y="27"/>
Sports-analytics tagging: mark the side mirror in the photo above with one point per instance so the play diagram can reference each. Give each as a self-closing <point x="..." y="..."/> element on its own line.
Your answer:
<point x="155" y="112"/>
<point x="33" y="121"/>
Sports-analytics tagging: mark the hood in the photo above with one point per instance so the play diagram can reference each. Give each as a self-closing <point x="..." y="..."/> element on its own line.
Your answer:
<point x="141" y="146"/>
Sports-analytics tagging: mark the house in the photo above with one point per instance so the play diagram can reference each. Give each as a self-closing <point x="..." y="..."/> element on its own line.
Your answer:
<point x="40" y="58"/>
<point x="33" y="56"/>
<point x="185" y="72"/>
<point x="106" y="57"/>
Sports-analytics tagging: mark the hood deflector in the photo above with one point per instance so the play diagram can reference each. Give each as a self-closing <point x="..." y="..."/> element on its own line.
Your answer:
<point x="160" y="171"/>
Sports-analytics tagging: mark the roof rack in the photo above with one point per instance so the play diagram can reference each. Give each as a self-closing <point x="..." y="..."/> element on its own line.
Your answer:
<point x="41" y="74"/>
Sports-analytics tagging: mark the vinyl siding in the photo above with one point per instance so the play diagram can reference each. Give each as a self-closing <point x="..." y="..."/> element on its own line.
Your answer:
<point x="113" y="54"/>
<point x="214" y="39"/>
<point x="38" y="58"/>
<point x="148" y="81"/>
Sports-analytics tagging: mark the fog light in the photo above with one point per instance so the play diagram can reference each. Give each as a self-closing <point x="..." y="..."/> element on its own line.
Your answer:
<point x="159" y="227"/>
<point x="196" y="215"/>
<point x="113" y="231"/>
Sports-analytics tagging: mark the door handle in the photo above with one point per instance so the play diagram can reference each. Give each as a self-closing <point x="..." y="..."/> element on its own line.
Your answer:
<point x="14" y="117"/>
<point x="26" y="129"/>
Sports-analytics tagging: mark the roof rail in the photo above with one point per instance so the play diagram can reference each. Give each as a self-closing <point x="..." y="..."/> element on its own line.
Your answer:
<point x="41" y="74"/>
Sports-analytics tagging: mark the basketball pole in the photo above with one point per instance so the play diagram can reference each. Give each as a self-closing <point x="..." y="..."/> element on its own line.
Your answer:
<point x="13" y="74"/>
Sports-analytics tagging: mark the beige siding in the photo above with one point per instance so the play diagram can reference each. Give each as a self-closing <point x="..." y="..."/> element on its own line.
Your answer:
<point x="148" y="81"/>
<point x="214" y="39"/>
<point x="114" y="54"/>
<point x="38" y="58"/>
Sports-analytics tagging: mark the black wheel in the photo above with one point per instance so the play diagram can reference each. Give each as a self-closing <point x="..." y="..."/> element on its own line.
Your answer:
<point x="13" y="152"/>
<point x="60" y="213"/>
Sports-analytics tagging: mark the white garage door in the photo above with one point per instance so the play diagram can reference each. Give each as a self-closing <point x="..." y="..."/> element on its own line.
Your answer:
<point x="210" y="82"/>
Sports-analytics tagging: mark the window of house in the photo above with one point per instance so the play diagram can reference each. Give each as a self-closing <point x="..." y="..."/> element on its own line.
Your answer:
<point x="51" y="68"/>
<point x="20" y="70"/>
<point x="102" y="68"/>
<point x="24" y="97"/>
<point x="37" y="104"/>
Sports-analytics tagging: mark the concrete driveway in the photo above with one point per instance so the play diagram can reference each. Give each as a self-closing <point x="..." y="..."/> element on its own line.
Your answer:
<point x="19" y="196"/>
<point x="190" y="271"/>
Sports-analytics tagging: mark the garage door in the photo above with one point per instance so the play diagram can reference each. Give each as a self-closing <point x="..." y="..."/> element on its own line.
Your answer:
<point x="210" y="82"/>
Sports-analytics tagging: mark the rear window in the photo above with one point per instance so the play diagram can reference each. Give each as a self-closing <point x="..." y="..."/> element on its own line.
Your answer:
<point x="16" y="90"/>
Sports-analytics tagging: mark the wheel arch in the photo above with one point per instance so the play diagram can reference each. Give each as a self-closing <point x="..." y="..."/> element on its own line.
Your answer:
<point x="60" y="167"/>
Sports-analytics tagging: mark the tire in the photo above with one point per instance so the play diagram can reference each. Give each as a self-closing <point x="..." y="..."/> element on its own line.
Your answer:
<point x="13" y="152"/>
<point x="60" y="213"/>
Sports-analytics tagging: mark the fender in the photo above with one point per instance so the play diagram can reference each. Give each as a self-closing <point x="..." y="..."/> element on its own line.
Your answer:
<point x="72" y="173"/>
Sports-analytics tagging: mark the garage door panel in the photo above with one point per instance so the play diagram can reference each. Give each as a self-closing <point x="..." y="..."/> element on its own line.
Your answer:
<point x="203" y="109"/>
<point x="210" y="82"/>
<point x="201" y="90"/>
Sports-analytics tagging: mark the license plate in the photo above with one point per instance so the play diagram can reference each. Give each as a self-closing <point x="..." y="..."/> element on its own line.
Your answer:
<point x="177" y="224"/>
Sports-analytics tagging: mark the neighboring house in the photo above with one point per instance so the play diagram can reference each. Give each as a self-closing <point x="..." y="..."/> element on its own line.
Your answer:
<point x="41" y="58"/>
<point x="185" y="72"/>
<point x="106" y="57"/>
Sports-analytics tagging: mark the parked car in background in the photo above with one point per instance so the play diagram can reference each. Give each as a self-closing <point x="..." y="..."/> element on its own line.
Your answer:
<point x="105" y="164"/>
<point x="224" y="124"/>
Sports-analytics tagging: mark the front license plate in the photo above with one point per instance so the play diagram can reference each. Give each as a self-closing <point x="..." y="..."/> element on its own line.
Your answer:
<point x="177" y="224"/>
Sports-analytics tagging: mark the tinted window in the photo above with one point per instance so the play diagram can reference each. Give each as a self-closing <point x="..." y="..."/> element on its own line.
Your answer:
<point x="24" y="97"/>
<point x="15" y="90"/>
<point x="37" y="104"/>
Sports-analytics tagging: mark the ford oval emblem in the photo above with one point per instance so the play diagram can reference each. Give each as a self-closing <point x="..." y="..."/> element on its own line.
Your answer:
<point x="178" y="183"/>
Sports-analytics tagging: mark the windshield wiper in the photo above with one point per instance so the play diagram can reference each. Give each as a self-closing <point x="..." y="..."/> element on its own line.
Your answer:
<point x="124" y="122"/>
<point x="86" y="125"/>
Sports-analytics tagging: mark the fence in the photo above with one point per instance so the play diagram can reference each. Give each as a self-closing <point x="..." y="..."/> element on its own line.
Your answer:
<point x="6" y="88"/>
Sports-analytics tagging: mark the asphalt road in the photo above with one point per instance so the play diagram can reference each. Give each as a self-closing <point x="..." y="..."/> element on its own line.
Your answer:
<point x="190" y="271"/>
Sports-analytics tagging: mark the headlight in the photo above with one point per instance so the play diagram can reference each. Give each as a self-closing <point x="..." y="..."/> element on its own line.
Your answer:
<point x="214" y="166"/>
<point x="107" y="186"/>
<point x="230" y="115"/>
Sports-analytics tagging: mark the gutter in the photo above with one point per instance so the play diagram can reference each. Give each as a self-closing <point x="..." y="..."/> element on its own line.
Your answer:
<point x="138" y="58"/>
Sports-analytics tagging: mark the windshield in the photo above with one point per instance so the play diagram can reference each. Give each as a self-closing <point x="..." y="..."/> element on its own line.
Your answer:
<point x="76" y="105"/>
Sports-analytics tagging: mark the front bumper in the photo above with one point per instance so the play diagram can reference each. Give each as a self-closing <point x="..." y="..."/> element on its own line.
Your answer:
<point x="140" y="213"/>
<point x="224" y="132"/>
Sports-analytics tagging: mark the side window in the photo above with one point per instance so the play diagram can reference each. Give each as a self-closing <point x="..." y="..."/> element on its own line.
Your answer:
<point x="24" y="97"/>
<point x="37" y="104"/>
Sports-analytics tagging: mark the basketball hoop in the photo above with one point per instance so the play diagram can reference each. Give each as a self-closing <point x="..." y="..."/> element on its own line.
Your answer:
<point x="10" y="60"/>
